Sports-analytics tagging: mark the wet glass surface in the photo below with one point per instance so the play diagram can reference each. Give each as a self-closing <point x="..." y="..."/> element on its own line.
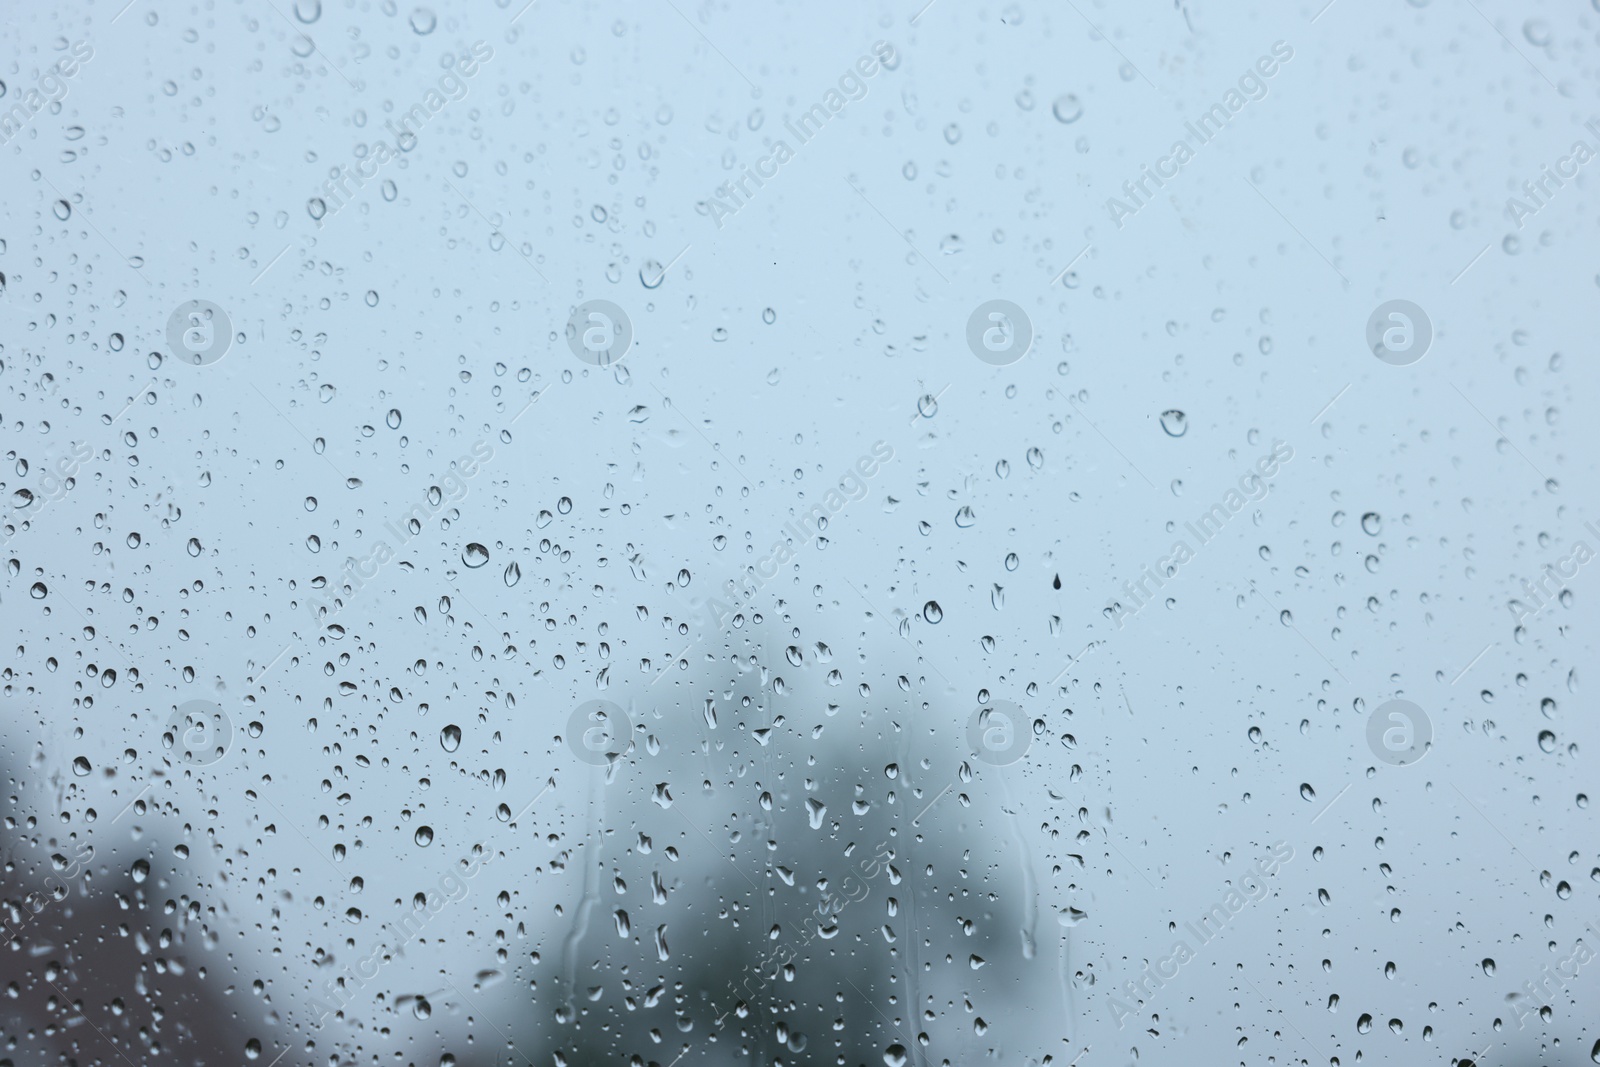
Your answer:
<point x="845" y="534"/>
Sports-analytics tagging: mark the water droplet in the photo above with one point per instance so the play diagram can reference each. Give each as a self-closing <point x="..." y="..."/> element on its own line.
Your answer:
<point x="450" y="738"/>
<point x="80" y="767"/>
<point x="513" y="573"/>
<point x="38" y="591"/>
<point x="423" y="836"/>
<point x="932" y="612"/>
<point x="965" y="518"/>
<point x="1175" y="422"/>
<point x="474" y="555"/>
<point x="423" y="21"/>
<point x="1371" y="523"/>
<point x="1306" y="792"/>
<point x="1067" y="108"/>
<point x="63" y="210"/>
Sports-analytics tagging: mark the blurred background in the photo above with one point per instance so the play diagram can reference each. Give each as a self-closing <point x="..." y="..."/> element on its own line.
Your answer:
<point x="505" y="563"/>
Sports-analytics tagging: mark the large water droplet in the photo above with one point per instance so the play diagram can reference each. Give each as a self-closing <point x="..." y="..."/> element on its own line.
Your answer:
<point x="1067" y="108"/>
<point x="1175" y="422"/>
<point x="474" y="555"/>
